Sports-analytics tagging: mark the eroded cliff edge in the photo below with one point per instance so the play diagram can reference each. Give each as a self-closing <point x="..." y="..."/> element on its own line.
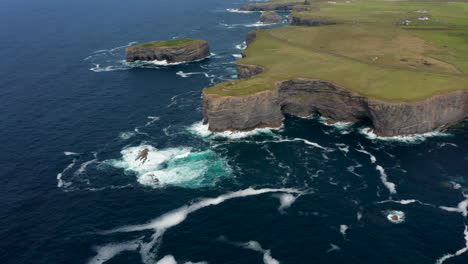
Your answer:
<point x="183" y="50"/>
<point x="304" y="97"/>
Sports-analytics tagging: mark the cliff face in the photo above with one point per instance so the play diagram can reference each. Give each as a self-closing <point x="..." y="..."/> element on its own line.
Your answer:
<point x="303" y="97"/>
<point x="270" y="18"/>
<point x="273" y="6"/>
<point x="184" y="53"/>
<point x="419" y="117"/>
<point x="242" y="112"/>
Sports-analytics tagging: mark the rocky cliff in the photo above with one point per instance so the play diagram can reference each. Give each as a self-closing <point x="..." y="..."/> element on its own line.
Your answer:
<point x="188" y="52"/>
<point x="270" y="17"/>
<point x="300" y="21"/>
<point x="304" y="97"/>
<point x="272" y="6"/>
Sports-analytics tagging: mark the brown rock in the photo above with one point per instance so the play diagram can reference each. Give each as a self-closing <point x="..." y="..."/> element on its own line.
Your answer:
<point x="270" y="17"/>
<point x="184" y="53"/>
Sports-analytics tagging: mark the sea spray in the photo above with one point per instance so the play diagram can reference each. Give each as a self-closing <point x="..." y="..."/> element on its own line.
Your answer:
<point x="181" y="166"/>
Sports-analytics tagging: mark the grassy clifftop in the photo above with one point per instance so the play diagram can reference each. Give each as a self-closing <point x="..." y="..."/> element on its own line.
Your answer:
<point x="169" y="43"/>
<point x="393" y="51"/>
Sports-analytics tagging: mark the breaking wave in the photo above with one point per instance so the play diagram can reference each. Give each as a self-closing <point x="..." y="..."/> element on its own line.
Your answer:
<point x="181" y="166"/>
<point x="202" y="130"/>
<point x="410" y="139"/>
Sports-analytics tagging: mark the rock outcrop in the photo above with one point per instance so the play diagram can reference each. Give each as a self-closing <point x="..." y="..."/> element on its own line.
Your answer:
<point x="245" y="71"/>
<point x="272" y="6"/>
<point x="300" y="21"/>
<point x="187" y="52"/>
<point x="270" y="17"/>
<point x="304" y="97"/>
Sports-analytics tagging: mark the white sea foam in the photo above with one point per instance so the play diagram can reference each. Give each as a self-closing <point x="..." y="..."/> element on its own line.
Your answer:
<point x="359" y="216"/>
<point x="202" y="130"/>
<point x="343" y="229"/>
<point x="107" y="252"/>
<point x="188" y="74"/>
<point x="237" y="56"/>
<point x="461" y="208"/>
<point x="267" y="258"/>
<point x="169" y="259"/>
<point x="343" y="147"/>
<point x="172" y="166"/>
<point x="286" y="200"/>
<point x="84" y="165"/>
<point x="383" y="177"/>
<point x="241" y="46"/>
<point x="69" y="153"/>
<point x="412" y="139"/>
<point x="179" y="215"/>
<point x="373" y="159"/>
<point x="126" y="135"/>
<point x="333" y="247"/>
<point x="159" y="225"/>
<point x="459" y="252"/>
<point x="255" y="246"/>
<point x="152" y="120"/>
<point x="405" y="202"/>
<point x="257" y="24"/>
<point x="234" y="10"/>
<point x="60" y="182"/>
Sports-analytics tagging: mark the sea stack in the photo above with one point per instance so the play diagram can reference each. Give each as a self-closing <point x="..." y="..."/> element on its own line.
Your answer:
<point x="270" y="17"/>
<point x="169" y="51"/>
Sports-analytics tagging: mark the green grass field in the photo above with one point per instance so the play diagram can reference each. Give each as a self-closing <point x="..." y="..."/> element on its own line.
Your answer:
<point x="368" y="51"/>
<point x="169" y="43"/>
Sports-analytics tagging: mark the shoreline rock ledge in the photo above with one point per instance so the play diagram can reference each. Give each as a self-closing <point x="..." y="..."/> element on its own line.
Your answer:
<point x="270" y="17"/>
<point x="170" y="51"/>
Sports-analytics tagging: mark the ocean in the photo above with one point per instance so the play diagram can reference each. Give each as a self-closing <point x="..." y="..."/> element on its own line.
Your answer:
<point x="74" y="115"/>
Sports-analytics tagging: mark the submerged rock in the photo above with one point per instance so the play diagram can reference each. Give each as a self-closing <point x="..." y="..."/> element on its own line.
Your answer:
<point x="270" y="17"/>
<point x="171" y="51"/>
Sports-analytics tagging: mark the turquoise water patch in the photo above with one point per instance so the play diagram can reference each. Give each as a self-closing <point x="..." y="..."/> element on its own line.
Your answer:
<point x="181" y="166"/>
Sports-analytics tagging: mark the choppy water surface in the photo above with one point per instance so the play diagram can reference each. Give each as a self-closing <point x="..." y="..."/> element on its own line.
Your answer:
<point x="75" y="117"/>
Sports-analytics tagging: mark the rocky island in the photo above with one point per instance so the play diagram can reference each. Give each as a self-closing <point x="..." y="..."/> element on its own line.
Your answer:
<point x="361" y="64"/>
<point x="170" y="51"/>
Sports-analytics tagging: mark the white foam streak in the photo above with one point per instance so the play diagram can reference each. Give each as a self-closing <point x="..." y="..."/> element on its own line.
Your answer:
<point x="459" y="252"/>
<point x="233" y="10"/>
<point x="410" y="139"/>
<point x="242" y="46"/>
<point x="60" y="182"/>
<point x="372" y="157"/>
<point x="461" y="208"/>
<point x="177" y="216"/>
<point x="109" y="251"/>
<point x="202" y="130"/>
<point x="169" y="259"/>
<point x="286" y="200"/>
<point x="161" y="224"/>
<point x="343" y="229"/>
<point x="69" y="153"/>
<point x="383" y="177"/>
<point x="255" y="246"/>
<point x="83" y="167"/>
<point x="333" y="247"/>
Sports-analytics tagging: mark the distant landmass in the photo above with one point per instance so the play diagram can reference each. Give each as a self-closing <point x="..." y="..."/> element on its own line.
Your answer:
<point x="400" y="65"/>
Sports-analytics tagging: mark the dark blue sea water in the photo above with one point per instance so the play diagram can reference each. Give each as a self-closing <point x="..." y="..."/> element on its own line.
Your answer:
<point x="73" y="118"/>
